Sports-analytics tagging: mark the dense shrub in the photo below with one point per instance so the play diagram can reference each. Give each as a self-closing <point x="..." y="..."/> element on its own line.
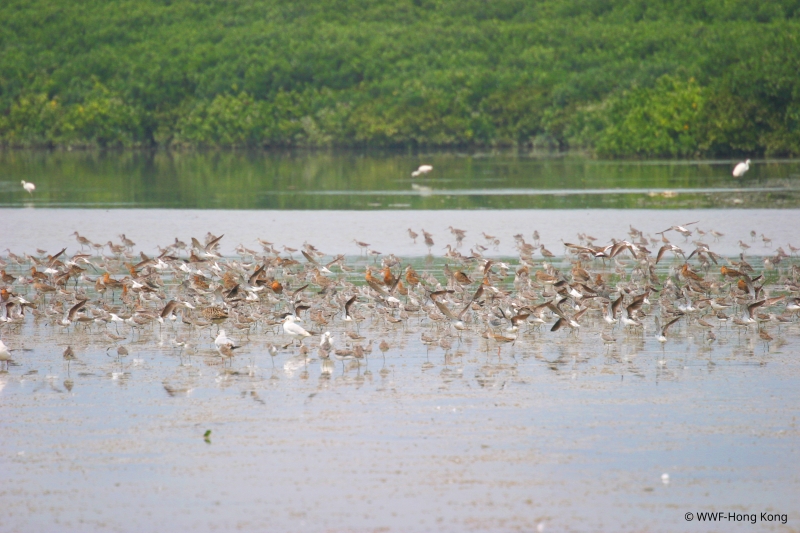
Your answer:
<point x="621" y="78"/>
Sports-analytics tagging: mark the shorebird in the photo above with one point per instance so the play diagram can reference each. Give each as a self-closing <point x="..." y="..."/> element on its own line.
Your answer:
<point x="168" y="312"/>
<point x="629" y="318"/>
<point x="680" y="229"/>
<point x="347" y="316"/>
<point x="384" y="347"/>
<point x="69" y="317"/>
<point x="344" y="355"/>
<point x="28" y="186"/>
<point x="455" y="320"/>
<point x="662" y="335"/>
<point x="291" y="328"/>
<point x="564" y="320"/>
<point x="207" y="251"/>
<point x="500" y="339"/>
<point x="326" y="342"/>
<point x="428" y="240"/>
<point x="83" y="241"/>
<point x="751" y="309"/>
<point x="740" y="169"/>
<point x="459" y="234"/>
<point x="607" y="338"/>
<point x="225" y="346"/>
<point x="764" y="336"/>
<point x="363" y="245"/>
<point x="68" y="355"/>
<point x="5" y="353"/>
<point x="610" y="316"/>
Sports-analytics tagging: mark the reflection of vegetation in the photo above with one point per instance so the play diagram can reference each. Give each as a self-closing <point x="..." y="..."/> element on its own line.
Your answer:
<point x="348" y="180"/>
<point x="622" y="77"/>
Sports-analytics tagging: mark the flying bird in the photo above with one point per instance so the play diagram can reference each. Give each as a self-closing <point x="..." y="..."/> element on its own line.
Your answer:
<point x="423" y="169"/>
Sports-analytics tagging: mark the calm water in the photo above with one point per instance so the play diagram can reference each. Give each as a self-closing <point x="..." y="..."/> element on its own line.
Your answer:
<point x="558" y="433"/>
<point x="356" y="181"/>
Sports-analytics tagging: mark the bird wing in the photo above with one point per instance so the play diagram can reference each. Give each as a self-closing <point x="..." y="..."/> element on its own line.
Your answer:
<point x="210" y="246"/>
<point x="377" y="288"/>
<point x="75" y="308"/>
<point x="772" y="301"/>
<point x="521" y="317"/>
<point x="635" y="305"/>
<point x="445" y="311"/>
<point x="557" y="311"/>
<point x="348" y="305"/>
<point x="54" y="257"/>
<point x="254" y="277"/>
<point x="168" y="308"/>
<point x="478" y="294"/>
<point x="615" y="305"/>
<point x="145" y="261"/>
<point x="753" y="306"/>
<point x="309" y="258"/>
<point x="579" y="314"/>
<point x="464" y="310"/>
<point x="668" y="324"/>
<point x="298" y="291"/>
<point x="395" y="284"/>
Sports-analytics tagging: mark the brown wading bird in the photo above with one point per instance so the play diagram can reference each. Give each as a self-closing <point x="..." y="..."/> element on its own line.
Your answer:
<point x="588" y="289"/>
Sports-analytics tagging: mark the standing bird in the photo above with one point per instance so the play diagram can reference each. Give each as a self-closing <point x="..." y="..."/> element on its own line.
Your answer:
<point x="423" y="169"/>
<point x="741" y="168"/>
<point x="326" y="343"/>
<point x="28" y="186"/>
<point x="293" y="330"/>
<point x="5" y="353"/>
<point x="69" y="356"/>
<point x="225" y="345"/>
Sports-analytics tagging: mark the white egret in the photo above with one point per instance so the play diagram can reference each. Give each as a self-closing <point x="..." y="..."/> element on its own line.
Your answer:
<point x="423" y="169"/>
<point x="28" y="186"/>
<point x="741" y="168"/>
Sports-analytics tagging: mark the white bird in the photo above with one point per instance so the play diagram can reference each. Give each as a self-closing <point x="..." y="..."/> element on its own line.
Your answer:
<point x="225" y="345"/>
<point x="741" y="168"/>
<point x="423" y="169"/>
<point x="326" y="342"/>
<point x="223" y="340"/>
<point x="5" y="353"/>
<point x="293" y="330"/>
<point x="28" y="186"/>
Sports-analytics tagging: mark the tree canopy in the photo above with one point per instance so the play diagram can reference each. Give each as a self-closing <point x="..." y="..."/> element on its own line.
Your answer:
<point x="619" y="78"/>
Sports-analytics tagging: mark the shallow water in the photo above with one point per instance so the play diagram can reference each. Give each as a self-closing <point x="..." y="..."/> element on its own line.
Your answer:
<point x="334" y="232"/>
<point x="557" y="432"/>
<point x="359" y="181"/>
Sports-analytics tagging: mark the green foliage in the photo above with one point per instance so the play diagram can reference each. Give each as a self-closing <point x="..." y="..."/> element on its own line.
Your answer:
<point x="101" y="119"/>
<point x="661" y="121"/>
<point x="614" y="77"/>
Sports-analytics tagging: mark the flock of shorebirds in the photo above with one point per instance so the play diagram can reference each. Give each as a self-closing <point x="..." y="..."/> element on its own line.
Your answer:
<point x="312" y="304"/>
